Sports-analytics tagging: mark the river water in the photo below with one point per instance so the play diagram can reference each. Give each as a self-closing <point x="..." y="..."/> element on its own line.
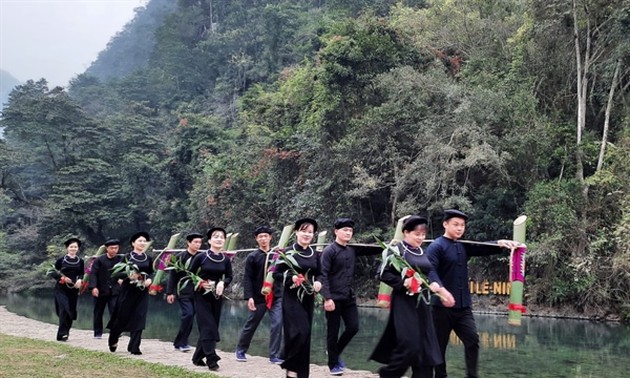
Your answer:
<point x="541" y="347"/>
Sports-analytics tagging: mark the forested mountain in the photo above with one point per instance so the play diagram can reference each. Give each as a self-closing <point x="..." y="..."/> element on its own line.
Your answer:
<point x="250" y="112"/>
<point x="130" y="49"/>
<point x="7" y="83"/>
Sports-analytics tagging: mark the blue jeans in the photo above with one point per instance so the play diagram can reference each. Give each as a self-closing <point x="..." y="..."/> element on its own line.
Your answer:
<point x="253" y="320"/>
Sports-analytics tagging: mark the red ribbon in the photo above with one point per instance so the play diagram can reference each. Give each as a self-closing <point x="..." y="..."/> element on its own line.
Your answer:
<point x="516" y="307"/>
<point x="156" y="288"/>
<point x="269" y="300"/>
<point x="84" y="286"/>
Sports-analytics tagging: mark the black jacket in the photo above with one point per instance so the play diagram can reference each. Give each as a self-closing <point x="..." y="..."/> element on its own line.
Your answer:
<point x="255" y="274"/>
<point x="175" y="277"/>
<point x="101" y="275"/>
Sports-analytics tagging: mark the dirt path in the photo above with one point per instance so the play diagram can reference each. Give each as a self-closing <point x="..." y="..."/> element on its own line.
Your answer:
<point x="155" y="350"/>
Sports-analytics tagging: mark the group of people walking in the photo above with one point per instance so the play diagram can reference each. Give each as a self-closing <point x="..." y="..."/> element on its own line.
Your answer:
<point x="286" y="283"/>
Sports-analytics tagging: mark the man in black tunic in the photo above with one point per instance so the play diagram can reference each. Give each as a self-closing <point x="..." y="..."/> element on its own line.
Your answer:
<point x="337" y="274"/>
<point x="185" y="295"/>
<point x="450" y="261"/>
<point x="256" y="266"/>
<point x="103" y="286"/>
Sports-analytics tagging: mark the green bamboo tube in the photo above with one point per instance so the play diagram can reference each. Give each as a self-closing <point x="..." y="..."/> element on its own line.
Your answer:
<point x="515" y="313"/>
<point x="398" y="234"/>
<point x="282" y="242"/>
<point x="384" y="296"/>
<point x="228" y="237"/>
<point x="285" y="236"/>
<point x="233" y="240"/>
<point x="321" y="240"/>
<point x="172" y="242"/>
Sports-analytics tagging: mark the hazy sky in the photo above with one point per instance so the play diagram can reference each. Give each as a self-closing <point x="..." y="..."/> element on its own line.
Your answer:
<point x="58" y="39"/>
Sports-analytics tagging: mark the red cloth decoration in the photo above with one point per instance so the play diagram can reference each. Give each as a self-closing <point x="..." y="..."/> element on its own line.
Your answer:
<point x="156" y="288"/>
<point x="84" y="286"/>
<point x="269" y="300"/>
<point x="516" y="307"/>
<point x="414" y="285"/>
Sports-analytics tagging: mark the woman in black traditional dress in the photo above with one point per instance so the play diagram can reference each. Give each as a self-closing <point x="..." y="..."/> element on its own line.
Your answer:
<point x="298" y="298"/>
<point x="409" y="339"/>
<point x="215" y="269"/>
<point x="68" y="273"/>
<point x="130" y="313"/>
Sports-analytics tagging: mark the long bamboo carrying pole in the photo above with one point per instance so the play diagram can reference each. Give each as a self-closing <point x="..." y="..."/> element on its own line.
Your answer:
<point x="517" y="273"/>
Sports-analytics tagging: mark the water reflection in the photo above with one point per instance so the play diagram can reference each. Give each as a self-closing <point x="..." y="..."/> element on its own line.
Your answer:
<point x="539" y="348"/>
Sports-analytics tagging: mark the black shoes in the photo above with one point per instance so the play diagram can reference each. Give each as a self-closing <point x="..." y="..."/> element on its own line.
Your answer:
<point x="112" y="348"/>
<point x="136" y="353"/>
<point x="213" y="366"/>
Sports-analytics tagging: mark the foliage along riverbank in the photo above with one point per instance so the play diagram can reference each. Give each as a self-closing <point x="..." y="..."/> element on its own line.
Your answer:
<point x="236" y="114"/>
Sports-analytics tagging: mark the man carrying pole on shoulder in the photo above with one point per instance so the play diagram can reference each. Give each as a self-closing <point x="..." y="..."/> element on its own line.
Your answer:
<point x="449" y="258"/>
<point x="338" y="261"/>
<point x="256" y="267"/>
<point x="103" y="287"/>
<point x="185" y="295"/>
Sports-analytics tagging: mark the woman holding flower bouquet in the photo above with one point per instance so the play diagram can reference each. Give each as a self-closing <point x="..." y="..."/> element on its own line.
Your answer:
<point x="68" y="273"/>
<point x="409" y="339"/>
<point x="130" y="312"/>
<point x="211" y="273"/>
<point x="297" y="267"/>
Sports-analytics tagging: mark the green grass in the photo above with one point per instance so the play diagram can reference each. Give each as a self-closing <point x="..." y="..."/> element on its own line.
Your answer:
<point x="22" y="357"/>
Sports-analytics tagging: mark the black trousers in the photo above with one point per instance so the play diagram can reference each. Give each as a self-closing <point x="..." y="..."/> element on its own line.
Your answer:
<point x="206" y="350"/>
<point x="65" y="323"/>
<point x="100" y="303"/>
<point x="135" y="338"/>
<point x="461" y="321"/>
<point x="345" y="310"/>
<point x="187" y="317"/>
<point x="417" y="371"/>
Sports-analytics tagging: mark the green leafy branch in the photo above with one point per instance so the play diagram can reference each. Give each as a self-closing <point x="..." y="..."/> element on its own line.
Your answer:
<point x="52" y="271"/>
<point x="129" y="268"/>
<point x="303" y="284"/>
<point x="191" y="277"/>
<point x="419" y="284"/>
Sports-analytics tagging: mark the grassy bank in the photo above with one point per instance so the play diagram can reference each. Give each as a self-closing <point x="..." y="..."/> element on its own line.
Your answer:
<point x="22" y="357"/>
